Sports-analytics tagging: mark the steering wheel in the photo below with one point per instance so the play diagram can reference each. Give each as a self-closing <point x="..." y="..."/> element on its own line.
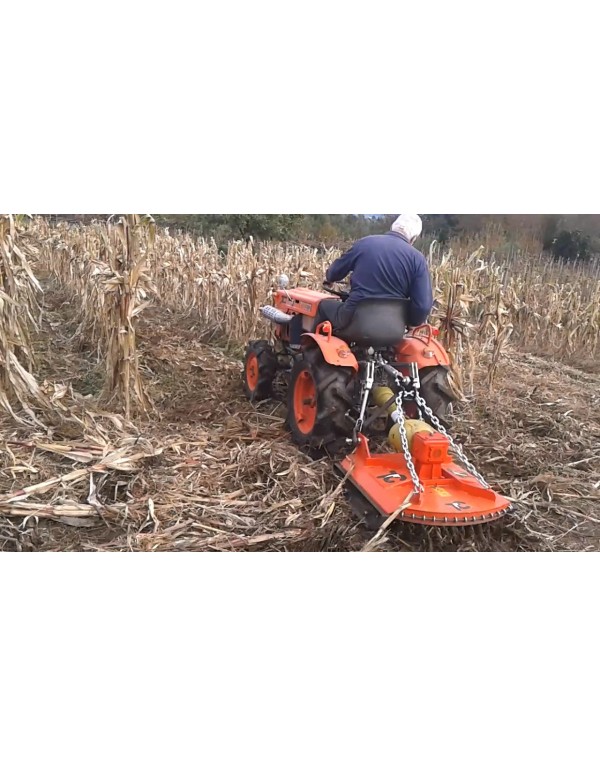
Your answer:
<point x="339" y="293"/>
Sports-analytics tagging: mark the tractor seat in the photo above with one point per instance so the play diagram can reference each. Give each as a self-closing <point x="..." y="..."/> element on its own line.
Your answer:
<point x="377" y="323"/>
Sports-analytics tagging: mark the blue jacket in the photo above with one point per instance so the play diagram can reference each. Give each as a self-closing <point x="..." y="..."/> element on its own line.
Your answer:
<point x="386" y="266"/>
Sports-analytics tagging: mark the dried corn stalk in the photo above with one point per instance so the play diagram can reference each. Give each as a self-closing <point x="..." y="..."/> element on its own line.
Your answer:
<point x="18" y="303"/>
<point x="126" y="287"/>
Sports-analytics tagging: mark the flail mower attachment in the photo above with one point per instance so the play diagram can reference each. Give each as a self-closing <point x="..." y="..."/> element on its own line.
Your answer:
<point x="442" y="493"/>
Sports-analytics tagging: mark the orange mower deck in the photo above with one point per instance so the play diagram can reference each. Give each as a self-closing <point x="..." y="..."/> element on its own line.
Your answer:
<point x="451" y="496"/>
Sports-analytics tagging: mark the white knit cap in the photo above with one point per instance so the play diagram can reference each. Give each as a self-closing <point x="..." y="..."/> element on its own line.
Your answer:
<point x="409" y="225"/>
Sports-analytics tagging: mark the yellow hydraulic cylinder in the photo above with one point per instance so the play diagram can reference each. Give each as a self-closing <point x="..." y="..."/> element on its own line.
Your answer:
<point x="412" y="427"/>
<point x="382" y="394"/>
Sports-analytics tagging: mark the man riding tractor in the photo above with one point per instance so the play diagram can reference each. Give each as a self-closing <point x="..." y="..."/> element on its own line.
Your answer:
<point x="384" y="267"/>
<point x="390" y="293"/>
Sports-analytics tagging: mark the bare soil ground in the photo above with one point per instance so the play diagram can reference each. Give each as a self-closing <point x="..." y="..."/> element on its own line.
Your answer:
<point x="229" y="479"/>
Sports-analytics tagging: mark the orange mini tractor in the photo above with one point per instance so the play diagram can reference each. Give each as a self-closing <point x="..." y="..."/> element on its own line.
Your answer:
<point x="375" y="380"/>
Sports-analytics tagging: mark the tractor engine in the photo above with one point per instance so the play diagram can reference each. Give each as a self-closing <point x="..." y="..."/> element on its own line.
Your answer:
<point x="299" y="300"/>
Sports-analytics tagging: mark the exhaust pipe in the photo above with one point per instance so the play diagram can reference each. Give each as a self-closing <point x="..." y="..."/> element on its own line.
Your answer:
<point x="275" y="315"/>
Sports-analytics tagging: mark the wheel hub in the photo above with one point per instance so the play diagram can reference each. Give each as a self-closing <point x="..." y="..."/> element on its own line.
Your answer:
<point x="305" y="402"/>
<point x="252" y="371"/>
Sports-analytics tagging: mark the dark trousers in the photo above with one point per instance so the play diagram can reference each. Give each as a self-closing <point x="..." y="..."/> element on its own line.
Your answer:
<point x="333" y="311"/>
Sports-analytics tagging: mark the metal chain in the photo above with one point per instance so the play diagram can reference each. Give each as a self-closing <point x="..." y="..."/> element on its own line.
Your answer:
<point x="423" y="406"/>
<point x="418" y="487"/>
<point x="414" y="395"/>
<point x="457" y="448"/>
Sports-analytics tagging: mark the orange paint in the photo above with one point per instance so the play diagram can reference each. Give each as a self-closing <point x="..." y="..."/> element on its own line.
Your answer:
<point x="335" y="351"/>
<point x="252" y="372"/>
<point x="421" y="347"/>
<point x="305" y="402"/>
<point x="300" y="300"/>
<point x="451" y="496"/>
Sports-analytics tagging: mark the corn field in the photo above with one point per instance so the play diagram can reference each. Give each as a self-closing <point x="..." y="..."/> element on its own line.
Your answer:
<point x="173" y="456"/>
<point x="485" y="300"/>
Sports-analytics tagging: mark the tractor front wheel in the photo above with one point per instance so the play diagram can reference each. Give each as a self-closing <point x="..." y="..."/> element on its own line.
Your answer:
<point x="260" y="369"/>
<point x="319" y="396"/>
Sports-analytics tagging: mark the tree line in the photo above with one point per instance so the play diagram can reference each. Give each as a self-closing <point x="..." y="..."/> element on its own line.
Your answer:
<point x="566" y="237"/>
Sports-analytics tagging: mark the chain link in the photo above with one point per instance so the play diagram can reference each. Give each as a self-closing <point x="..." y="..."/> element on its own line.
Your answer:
<point x="456" y="447"/>
<point x="424" y="407"/>
<point x="418" y="487"/>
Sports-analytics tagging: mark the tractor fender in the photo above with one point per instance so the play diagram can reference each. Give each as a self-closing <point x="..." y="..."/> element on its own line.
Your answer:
<point x="421" y="347"/>
<point x="335" y="351"/>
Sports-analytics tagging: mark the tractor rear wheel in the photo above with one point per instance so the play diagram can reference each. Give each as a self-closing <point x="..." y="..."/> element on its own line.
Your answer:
<point x="319" y="396"/>
<point x="260" y="369"/>
<point x="437" y="393"/>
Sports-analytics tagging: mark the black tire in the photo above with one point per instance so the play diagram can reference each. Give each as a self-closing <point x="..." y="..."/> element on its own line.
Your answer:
<point x="333" y="400"/>
<point x="437" y="393"/>
<point x="260" y="386"/>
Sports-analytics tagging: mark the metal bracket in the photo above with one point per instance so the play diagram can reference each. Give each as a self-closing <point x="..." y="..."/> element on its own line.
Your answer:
<point x="368" y="385"/>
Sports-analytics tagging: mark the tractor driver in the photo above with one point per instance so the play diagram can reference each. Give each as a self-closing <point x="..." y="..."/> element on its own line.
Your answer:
<point x="384" y="266"/>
